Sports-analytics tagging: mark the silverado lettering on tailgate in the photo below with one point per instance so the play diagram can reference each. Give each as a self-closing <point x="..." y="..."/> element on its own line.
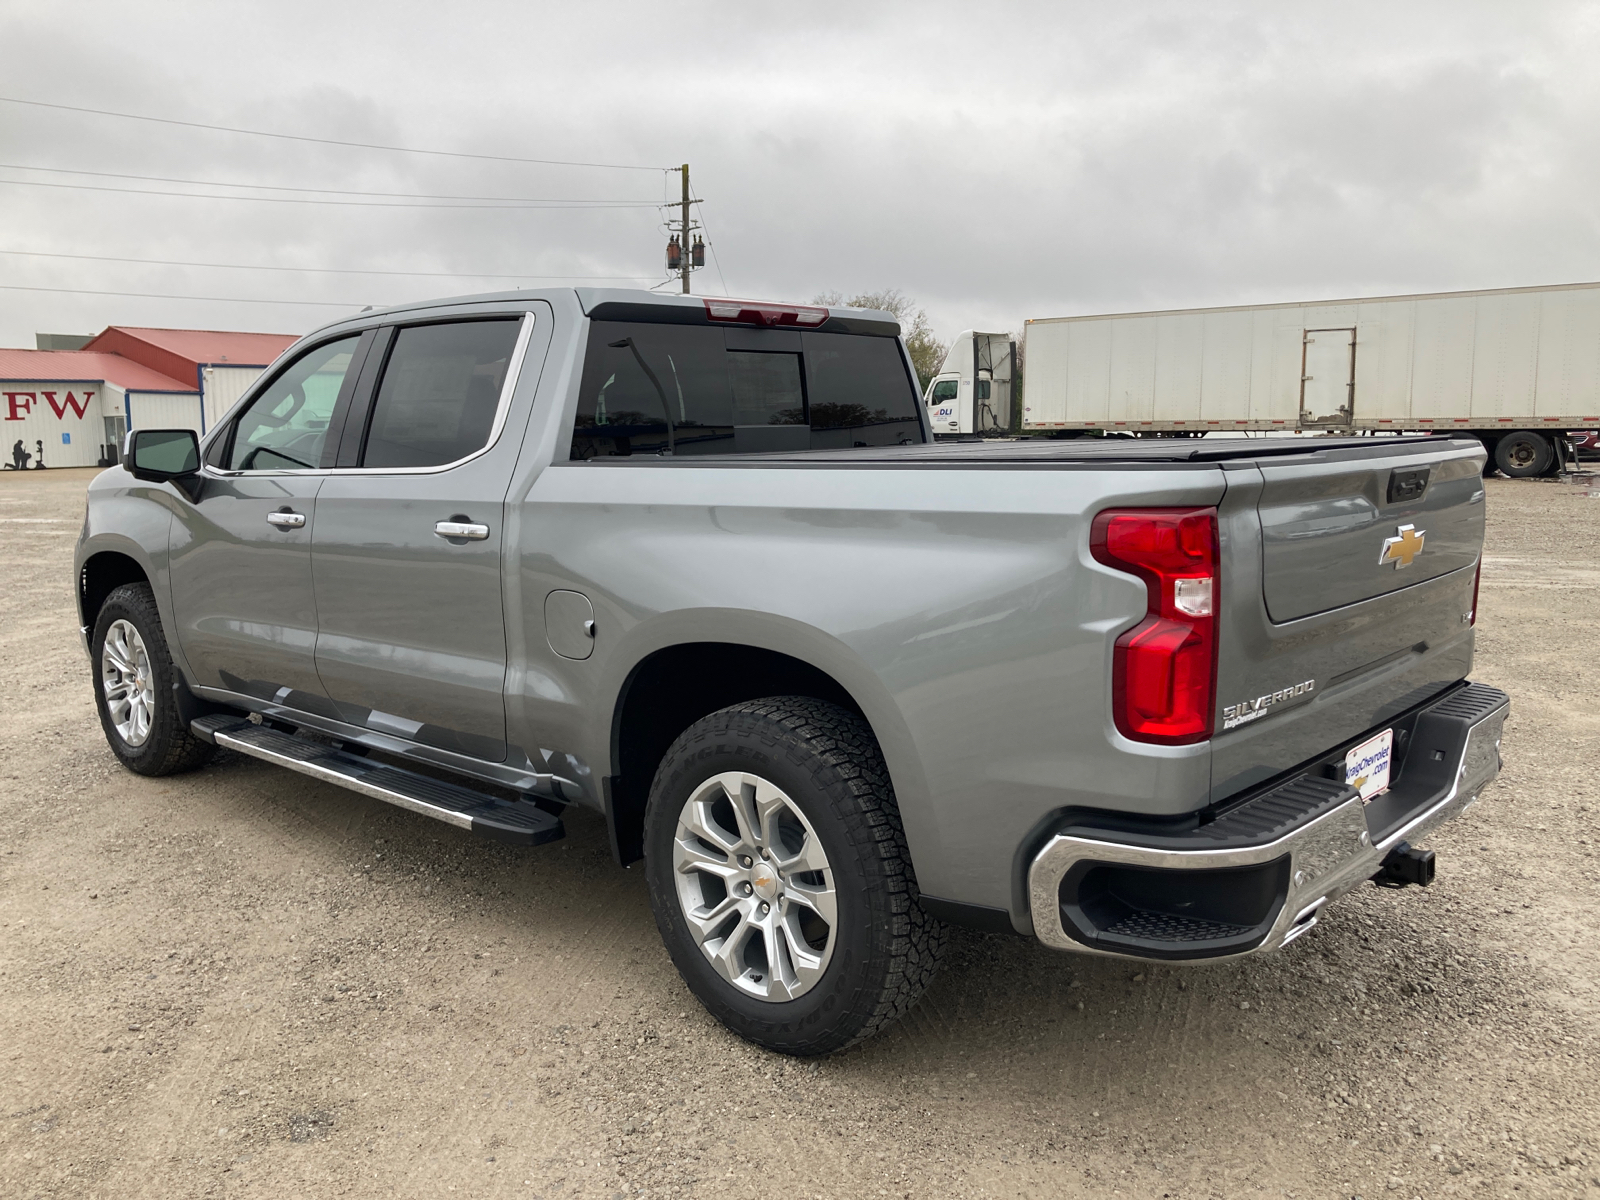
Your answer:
<point x="1251" y="710"/>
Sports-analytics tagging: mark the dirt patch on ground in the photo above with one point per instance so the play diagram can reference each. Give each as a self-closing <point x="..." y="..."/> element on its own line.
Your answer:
<point x="242" y="981"/>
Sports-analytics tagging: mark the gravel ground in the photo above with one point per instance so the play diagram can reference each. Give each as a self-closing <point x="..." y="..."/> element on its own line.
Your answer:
<point x="243" y="982"/>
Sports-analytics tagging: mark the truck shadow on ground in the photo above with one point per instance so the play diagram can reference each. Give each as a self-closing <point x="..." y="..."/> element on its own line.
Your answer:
<point x="301" y="949"/>
<point x="1381" y="971"/>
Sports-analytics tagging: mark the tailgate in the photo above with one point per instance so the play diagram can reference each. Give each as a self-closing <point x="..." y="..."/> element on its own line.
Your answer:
<point x="1334" y="533"/>
<point x="1347" y="580"/>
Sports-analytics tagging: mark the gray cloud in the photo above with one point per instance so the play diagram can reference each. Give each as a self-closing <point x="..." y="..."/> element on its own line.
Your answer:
<point x="1013" y="161"/>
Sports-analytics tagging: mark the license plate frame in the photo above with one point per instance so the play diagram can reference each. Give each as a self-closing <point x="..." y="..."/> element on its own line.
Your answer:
<point x="1369" y="766"/>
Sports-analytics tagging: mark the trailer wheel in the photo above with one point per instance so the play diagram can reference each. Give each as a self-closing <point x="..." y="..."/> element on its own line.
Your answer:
<point x="1522" y="455"/>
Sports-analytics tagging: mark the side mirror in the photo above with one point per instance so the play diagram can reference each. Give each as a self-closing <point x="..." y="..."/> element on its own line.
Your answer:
<point x="165" y="456"/>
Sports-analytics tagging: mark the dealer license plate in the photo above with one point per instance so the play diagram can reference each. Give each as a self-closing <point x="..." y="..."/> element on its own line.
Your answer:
<point x="1366" y="768"/>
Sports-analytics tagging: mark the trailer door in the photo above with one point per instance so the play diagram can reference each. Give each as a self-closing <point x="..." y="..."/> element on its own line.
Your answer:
<point x="1328" y="378"/>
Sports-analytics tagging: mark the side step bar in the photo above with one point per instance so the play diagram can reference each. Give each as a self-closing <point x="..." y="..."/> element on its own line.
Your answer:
<point x="519" y="822"/>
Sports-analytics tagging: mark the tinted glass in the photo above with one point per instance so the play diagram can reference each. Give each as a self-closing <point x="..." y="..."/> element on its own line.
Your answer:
<point x="841" y="390"/>
<point x="860" y="392"/>
<point x="945" y="389"/>
<point x="286" y="425"/>
<point x="439" y="394"/>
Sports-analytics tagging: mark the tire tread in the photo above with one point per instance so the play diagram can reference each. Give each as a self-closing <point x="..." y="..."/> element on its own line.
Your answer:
<point x="182" y="750"/>
<point x="837" y="748"/>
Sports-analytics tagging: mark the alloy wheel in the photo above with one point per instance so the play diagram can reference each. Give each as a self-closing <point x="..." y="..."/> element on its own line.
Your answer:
<point x="129" y="683"/>
<point x="755" y="886"/>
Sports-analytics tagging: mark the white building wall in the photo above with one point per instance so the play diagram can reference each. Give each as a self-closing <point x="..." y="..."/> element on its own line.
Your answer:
<point x="223" y="387"/>
<point x="163" y="410"/>
<point x="62" y="422"/>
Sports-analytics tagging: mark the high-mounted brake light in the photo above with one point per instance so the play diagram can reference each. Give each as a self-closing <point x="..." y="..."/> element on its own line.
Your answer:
<point x="1164" y="669"/>
<point x="754" y="312"/>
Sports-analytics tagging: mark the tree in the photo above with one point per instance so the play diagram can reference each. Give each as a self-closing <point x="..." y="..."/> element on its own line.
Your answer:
<point x="927" y="351"/>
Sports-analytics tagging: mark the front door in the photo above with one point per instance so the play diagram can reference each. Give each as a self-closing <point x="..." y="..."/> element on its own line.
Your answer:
<point x="407" y="550"/>
<point x="241" y="555"/>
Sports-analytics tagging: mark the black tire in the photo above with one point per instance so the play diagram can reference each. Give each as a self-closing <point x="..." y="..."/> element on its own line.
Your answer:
<point x="1523" y="455"/>
<point x="886" y="947"/>
<point x="170" y="747"/>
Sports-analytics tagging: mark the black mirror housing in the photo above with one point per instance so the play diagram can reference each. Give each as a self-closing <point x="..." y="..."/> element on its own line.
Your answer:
<point x="165" y="456"/>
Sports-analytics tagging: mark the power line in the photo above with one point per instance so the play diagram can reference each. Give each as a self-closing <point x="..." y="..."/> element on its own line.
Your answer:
<point x="293" y="137"/>
<point x="274" y="187"/>
<point x="526" y="207"/>
<point x="713" y="248"/>
<point x="168" y="262"/>
<point x="13" y="287"/>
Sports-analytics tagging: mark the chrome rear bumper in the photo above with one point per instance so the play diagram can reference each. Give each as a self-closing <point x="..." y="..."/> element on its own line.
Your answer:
<point x="1317" y="840"/>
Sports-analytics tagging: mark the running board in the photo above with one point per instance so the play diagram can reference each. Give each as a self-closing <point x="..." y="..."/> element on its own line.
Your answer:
<point x="518" y="822"/>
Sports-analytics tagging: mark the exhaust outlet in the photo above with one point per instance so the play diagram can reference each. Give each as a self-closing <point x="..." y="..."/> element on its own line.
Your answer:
<point x="1404" y="866"/>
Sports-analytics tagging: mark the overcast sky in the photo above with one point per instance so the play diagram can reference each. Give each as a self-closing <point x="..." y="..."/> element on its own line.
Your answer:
<point x="994" y="162"/>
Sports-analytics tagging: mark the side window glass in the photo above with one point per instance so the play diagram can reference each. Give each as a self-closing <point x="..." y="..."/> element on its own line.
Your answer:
<point x="440" y="393"/>
<point x="285" y="427"/>
<point x="861" y="394"/>
<point x="944" y="390"/>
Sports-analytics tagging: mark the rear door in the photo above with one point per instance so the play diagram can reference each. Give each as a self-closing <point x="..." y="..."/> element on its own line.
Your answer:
<point x="407" y="547"/>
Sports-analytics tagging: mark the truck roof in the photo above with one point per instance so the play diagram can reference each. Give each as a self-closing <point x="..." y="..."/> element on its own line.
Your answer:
<point x="637" y="304"/>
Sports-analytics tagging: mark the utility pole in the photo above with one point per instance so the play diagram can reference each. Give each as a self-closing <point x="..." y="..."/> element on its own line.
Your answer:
<point x="683" y="257"/>
<point x="683" y="231"/>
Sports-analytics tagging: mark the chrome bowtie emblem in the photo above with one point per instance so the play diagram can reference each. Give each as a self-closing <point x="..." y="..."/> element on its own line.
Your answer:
<point x="1403" y="548"/>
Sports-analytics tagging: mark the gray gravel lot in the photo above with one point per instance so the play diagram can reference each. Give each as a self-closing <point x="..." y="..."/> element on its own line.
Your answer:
<point x="241" y="981"/>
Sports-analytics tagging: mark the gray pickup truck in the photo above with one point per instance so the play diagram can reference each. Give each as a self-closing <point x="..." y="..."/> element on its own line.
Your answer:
<point x="698" y="565"/>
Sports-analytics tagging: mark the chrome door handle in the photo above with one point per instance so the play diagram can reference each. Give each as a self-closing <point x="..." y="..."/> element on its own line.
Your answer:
<point x="461" y="529"/>
<point x="286" y="520"/>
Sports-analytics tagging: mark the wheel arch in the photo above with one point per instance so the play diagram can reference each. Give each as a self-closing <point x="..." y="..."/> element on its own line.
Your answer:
<point x="689" y="669"/>
<point x="102" y="573"/>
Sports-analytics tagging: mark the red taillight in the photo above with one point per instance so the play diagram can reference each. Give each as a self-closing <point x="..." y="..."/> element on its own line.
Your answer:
<point x="1477" y="578"/>
<point x="1164" y="672"/>
<point x="754" y="312"/>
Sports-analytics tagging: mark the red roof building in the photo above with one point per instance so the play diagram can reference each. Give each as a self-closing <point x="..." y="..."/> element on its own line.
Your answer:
<point x="73" y="407"/>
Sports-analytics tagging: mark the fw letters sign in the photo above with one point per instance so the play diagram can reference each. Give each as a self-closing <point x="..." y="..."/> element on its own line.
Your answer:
<point x="20" y="404"/>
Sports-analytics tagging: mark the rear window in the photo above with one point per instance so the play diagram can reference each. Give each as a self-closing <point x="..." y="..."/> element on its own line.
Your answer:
<point x="689" y="389"/>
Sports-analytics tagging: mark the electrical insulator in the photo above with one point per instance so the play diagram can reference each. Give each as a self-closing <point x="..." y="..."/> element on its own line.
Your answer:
<point x="697" y="255"/>
<point x="674" y="254"/>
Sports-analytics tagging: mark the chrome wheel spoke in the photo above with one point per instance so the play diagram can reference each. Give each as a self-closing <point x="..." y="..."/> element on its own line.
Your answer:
<point x="806" y="962"/>
<point x="117" y="653"/>
<point x="705" y="921"/>
<point x="741" y="797"/>
<point x="810" y="858"/>
<point x="697" y="820"/>
<point x="727" y="954"/>
<point x="770" y="805"/>
<point x="819" y="899"/>
<point x="689" y="855"/>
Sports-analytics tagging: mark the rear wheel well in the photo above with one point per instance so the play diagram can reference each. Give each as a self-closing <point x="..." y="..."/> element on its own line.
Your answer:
<point x="101" y="575"/>
<point x="671" y="690"/>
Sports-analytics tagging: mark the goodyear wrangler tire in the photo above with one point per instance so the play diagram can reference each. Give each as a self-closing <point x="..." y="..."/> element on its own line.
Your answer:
<point x="779" y="876"/>
<point x="135" y="687"/>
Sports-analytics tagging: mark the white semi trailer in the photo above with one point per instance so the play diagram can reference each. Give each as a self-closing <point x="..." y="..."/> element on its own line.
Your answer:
<point x="1517" y="367"/>
<point x="972" y="391"/>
